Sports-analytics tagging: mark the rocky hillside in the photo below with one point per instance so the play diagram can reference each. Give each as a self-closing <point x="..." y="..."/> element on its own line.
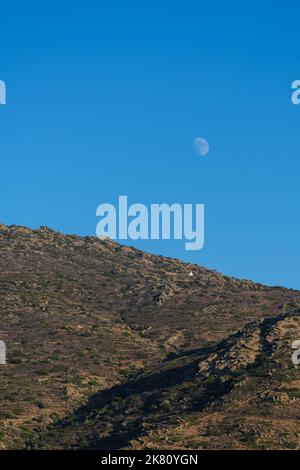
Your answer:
<point x="109" y="347"/>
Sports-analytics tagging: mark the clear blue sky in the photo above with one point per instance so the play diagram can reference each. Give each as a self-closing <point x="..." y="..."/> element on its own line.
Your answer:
<point x="105" y="98"/>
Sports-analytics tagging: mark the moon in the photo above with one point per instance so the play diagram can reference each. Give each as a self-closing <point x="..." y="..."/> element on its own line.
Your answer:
<point x="201" y="146"/>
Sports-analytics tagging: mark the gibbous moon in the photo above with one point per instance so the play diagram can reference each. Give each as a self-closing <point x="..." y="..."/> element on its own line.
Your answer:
<point x="201" y="146"/>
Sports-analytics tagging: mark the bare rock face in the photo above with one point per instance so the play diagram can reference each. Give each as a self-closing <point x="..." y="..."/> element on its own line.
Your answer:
<point x="242" y="352"/>
<point x="249" y="345"/>
<point x="165" y="292"/>
<point x="278" y="397"/>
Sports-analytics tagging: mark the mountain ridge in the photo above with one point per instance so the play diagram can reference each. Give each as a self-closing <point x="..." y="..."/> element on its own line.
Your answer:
<point x="84" y="318"/>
